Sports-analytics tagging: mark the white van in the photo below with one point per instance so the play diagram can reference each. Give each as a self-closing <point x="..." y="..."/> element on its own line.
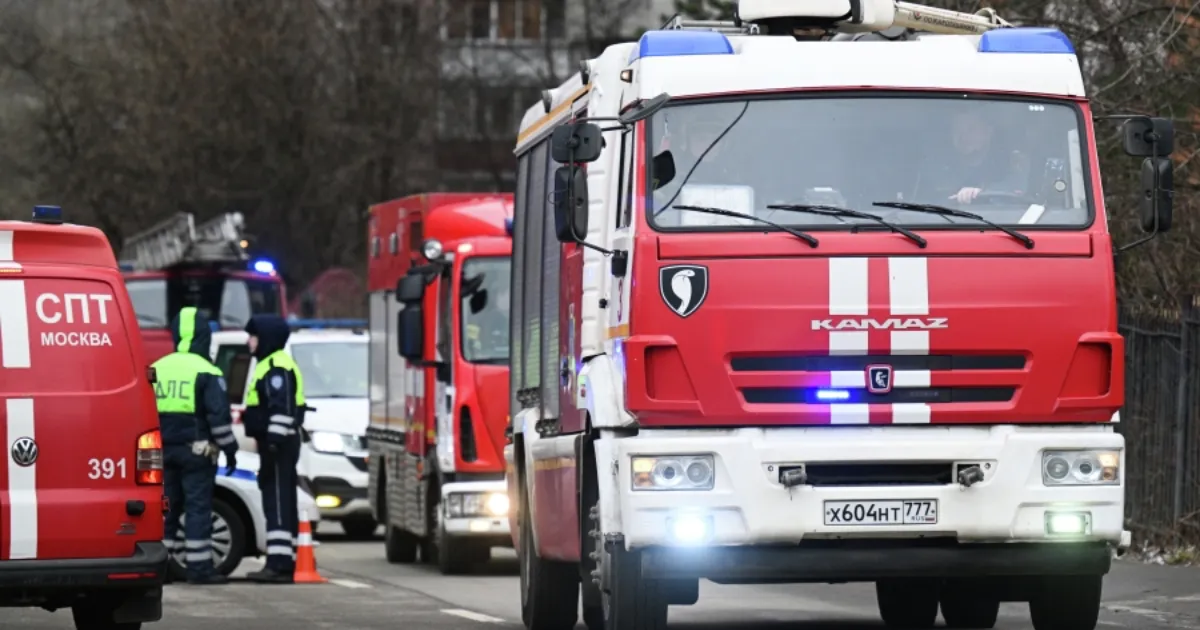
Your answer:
<point x="333" y="459"/>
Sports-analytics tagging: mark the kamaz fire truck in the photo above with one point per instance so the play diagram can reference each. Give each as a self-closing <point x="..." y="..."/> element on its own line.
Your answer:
<point x="825" y="294"/>
<point x="438" y="274"/>
<point x="177" y="263"/>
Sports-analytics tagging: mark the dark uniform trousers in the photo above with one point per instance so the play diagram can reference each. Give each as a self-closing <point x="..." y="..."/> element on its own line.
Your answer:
<point x="188" y="481"/>
<point x="277" y="480"/>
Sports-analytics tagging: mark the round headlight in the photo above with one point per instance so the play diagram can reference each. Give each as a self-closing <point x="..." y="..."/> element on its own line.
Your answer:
<point x="1087" y="469"/>
<point x="699" y="473"/>
<point x="667" y="473"/>
<point x="1057" y="468"/>
<point x="432" y="249"/>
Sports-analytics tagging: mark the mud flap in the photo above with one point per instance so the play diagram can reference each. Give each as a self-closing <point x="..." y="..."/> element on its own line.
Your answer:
<point x="139" y="607"/>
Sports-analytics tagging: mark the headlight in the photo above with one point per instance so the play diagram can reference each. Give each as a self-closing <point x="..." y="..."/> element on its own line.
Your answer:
<point x="471" y="504"/>
<point x="328" y="442"/>
<point x="432" y="249"/>
<point x="673" y="472"/>
<point x="1081" y="468"/>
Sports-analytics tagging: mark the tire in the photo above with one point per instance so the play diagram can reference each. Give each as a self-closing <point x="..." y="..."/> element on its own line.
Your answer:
<point x="969" y="607"/>
<point x="399" y="546"/>
<point x="1069" y="602"/>
<point x="549" y="589"/>
<point x="907" y="604"/>
<point x="228" y="541"/>
<point x="593" y="617"/>
<point x="360" y="528"/>
<point x="452" y="556"/>
<point x="634" y="603"/>
<point x="98" y="616"/>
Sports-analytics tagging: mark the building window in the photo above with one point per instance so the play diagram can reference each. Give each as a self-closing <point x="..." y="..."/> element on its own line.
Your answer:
<point x="504" y="20"/>
<point x="556" y="18"/>
<point x="481" y="19"/>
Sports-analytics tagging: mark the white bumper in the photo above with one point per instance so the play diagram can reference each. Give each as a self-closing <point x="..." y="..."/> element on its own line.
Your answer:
<point x="340" y="487"/>
<point x="749" y="506"/>
<point x="487" y="524"/>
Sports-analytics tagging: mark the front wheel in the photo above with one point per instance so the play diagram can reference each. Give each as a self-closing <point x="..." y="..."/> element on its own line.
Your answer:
<point x="399" y="546"/>
<point x="1068" y="602"/>
<point x="907" y="604"/>
<point x="549" y="589"/>
<point x="453" y="556"/>
<point x="969" y="606"/>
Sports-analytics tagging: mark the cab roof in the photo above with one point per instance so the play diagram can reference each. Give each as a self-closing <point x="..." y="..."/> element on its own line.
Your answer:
<point x="22" y="242"/>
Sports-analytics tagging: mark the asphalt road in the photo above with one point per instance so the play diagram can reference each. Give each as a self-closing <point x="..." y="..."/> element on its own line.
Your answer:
<point x="367" y="593"/>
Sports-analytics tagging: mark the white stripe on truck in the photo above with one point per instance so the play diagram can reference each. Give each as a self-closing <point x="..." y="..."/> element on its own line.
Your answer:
<point x="22" y="485"/>
<point x="908" y="289"/>
<point x="6" y="246"/>
<point x="14" y="325"/>
<point x="849" y="294"/>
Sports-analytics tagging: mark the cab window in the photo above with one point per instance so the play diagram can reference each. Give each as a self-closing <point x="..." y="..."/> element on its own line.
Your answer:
<point x="149" y="297"/>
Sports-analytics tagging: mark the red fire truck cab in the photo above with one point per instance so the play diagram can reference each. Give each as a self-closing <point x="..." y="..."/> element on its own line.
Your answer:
<point x="439" y="278"/>
<point x="177" y="263"/>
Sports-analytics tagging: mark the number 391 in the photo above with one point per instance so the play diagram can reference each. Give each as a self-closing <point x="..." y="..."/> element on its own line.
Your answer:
<point x="106" y="468"/>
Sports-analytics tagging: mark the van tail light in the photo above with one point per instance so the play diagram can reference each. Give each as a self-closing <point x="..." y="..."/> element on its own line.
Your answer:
<point x="150" y="458"/>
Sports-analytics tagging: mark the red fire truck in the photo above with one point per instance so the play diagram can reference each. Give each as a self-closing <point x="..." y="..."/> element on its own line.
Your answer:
<point x="178" y="263"/>
<point x="438" y="277"/>
<point x="832" y="301"/>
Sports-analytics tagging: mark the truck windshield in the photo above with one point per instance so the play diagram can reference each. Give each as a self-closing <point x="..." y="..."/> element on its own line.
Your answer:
<point x="229" y="301"/>
<point x="1015" y="162"/>
<point x="333" y="369"/>
<point x="485" y="309"/>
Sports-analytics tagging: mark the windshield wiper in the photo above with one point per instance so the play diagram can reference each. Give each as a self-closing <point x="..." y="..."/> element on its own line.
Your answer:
<point x="954" y="212"/>
<point x="807" y="238"/>
<point x="834" y="211"/>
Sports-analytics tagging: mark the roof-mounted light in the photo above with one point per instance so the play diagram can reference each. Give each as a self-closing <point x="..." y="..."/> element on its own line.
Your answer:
<point x="47" y="214"/>
<point x="432" y="250"/>
<point x="263" y="265"/>
<point x="679" y="43"/>
<point x="1029" y="40"/>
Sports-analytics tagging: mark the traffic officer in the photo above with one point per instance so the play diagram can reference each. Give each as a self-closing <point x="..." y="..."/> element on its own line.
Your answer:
<point x="193" y="413"/>
<point x="274" y="416"/>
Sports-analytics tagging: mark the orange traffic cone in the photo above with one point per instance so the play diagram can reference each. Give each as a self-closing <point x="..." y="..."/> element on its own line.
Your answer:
<point x="306" y="563"/>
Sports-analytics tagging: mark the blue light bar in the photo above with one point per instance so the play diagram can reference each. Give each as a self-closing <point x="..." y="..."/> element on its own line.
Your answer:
<point x="1029" y="40"/>
<point x="263" y="265"/>
<point x="47" y="214"/>
<point x="508" y="226"/>
<point x="680" y="43"/>
<point x="327" y="323"/>
<point x="832" y="395"/>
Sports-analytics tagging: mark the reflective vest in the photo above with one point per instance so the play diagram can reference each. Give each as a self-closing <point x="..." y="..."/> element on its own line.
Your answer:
<point x="279" y="359"/>
<point x="175" y="381"/>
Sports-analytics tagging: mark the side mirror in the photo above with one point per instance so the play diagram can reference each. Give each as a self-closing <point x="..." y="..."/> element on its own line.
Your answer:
<point x="576" y="143"/>
<point x="662" y="169"/>
<point x="410" y="333"/>
<point x="644" y="109"/>
<point x="478" y="301"/>
<point x="1144" y="135"/>
<point x="570" y="204"/>
<point x="1158" y="193"/>
<point x="411" y="289"/>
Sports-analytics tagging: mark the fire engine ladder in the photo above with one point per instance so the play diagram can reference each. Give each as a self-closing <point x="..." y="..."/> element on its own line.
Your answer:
<point x="179" y="239"/>
<point x="908" y="16"/>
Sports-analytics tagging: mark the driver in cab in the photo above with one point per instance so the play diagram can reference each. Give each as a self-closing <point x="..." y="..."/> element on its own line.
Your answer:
<point x="973" y="165"/>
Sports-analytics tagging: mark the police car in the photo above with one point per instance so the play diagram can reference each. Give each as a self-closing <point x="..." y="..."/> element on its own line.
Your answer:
<point x="239" y="528"/>
<point x="332" y="356"/>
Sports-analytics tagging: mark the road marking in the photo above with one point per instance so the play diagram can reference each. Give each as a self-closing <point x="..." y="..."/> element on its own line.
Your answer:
<point x="473" y="616"/>
<point x="349" y="584"/>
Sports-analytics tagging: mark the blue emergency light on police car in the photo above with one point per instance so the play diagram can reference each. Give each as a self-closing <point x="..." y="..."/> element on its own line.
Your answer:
<point x="47" y="214"/>
<point x="262" y="265"/>
<point x="1026" y="39"/>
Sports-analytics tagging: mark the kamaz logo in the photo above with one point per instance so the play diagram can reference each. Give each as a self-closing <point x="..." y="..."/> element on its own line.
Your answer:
<point x="893" y="323"/>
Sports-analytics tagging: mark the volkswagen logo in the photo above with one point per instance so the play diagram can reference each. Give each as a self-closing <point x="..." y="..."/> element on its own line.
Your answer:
<point x="24" y="451"/>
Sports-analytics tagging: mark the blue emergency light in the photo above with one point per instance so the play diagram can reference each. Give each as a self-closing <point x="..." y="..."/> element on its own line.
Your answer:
<point x="296" y="324"/>
<point x="508" y="226"/>
<point x="263" y="265"/>
<point x="832" y="395"/>
<point x="1026" y="39"/>
<point x="677" y="43"/>
<point x="47" y="214"/>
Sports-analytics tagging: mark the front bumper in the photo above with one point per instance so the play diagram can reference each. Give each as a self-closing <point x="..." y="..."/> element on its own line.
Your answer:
<point x="749" y="506"/>
<point x="337" y="499"/>
<point x="481" y="525"/>
<point x="145" y="569"/>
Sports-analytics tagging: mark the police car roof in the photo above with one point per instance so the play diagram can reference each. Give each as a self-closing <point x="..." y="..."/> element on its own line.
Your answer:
<point x="320" y="335"/>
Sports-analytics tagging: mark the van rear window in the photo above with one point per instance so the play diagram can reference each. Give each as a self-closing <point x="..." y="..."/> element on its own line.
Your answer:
<point x="62" y="336"/>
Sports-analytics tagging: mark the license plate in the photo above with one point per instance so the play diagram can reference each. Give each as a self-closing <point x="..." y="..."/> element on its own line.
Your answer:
<point x="866" y="513"/>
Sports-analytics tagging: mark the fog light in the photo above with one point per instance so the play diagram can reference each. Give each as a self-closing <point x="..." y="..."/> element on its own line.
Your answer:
<point x="690" y="529"/>
<point x="1068" y="523"/>
<point x="479" y="526"/>
<point x="327" y="501"/>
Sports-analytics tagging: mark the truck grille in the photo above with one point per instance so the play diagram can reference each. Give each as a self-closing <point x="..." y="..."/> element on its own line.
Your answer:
<point x="931" y="362"/>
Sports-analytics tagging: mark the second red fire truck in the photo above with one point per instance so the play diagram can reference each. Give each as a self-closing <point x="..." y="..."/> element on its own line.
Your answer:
<point x="438" y="274"/>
